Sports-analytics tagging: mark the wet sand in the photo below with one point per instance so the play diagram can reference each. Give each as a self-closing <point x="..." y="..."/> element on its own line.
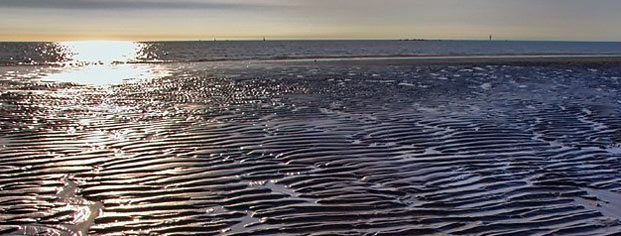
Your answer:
<point x="378" y="147"/>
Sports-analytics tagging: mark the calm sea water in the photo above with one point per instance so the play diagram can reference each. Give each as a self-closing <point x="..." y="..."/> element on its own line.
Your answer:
<point x="123" y="52"/>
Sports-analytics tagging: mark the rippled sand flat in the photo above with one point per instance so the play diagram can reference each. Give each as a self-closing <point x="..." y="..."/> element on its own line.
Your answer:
<point x="275" y="148"/>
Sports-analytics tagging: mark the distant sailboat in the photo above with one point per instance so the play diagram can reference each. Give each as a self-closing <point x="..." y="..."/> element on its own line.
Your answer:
<point x="490" y="37"/>
<point x="263" y="38"/>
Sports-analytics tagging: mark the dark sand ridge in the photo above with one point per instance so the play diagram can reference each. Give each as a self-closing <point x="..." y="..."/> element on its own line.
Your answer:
<point x="378" y="147"/>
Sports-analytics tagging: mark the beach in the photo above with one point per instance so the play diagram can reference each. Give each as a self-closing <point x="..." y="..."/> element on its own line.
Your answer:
<point x="520" y="145"/>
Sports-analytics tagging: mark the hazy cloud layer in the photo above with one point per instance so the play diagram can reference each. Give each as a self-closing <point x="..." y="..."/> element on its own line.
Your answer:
<point x="129" y="4"/>
<point x="310" y="19"/>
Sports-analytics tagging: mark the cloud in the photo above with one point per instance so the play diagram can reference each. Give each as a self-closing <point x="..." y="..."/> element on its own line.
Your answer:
<point x="132" y="4"/>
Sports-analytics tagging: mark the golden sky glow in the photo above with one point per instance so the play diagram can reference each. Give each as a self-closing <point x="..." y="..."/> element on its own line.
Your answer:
<point x="60" y="20"/>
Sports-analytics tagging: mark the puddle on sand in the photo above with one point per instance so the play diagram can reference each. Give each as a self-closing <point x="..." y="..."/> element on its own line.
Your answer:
<point x="85" y="211"/>
<point x="608" y="203"/>
<point x="245" y="223"/>
<point x="84" y="214"/>
<point x="279" y="188"/>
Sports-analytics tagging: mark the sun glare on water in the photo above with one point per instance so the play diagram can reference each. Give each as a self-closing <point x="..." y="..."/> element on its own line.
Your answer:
<point x="102" y="52"/>
<point x="104" y="63"/>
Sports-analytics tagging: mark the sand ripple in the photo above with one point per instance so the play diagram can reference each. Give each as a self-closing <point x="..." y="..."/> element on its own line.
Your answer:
<point x="317" y="149"/>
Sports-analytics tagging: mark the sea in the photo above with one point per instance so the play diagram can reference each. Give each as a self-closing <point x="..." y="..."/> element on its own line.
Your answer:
<point x="16" y="53"/>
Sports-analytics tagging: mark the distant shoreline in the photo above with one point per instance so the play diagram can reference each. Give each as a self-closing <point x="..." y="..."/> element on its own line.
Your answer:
<point x="484" y="59"/>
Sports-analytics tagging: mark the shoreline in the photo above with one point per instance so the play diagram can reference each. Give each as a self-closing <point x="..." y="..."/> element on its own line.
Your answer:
<point x="383" y="60"/>
<point x="504" y="59"/>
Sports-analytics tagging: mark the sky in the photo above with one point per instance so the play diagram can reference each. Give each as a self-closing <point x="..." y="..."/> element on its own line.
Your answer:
<point x="143" y="20"/>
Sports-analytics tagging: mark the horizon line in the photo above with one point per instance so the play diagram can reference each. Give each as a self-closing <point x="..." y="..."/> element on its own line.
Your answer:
<point x="309" y="39"/>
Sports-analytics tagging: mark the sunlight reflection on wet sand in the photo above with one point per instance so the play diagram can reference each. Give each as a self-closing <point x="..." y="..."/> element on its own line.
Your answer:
<point x="106" y="74"/>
